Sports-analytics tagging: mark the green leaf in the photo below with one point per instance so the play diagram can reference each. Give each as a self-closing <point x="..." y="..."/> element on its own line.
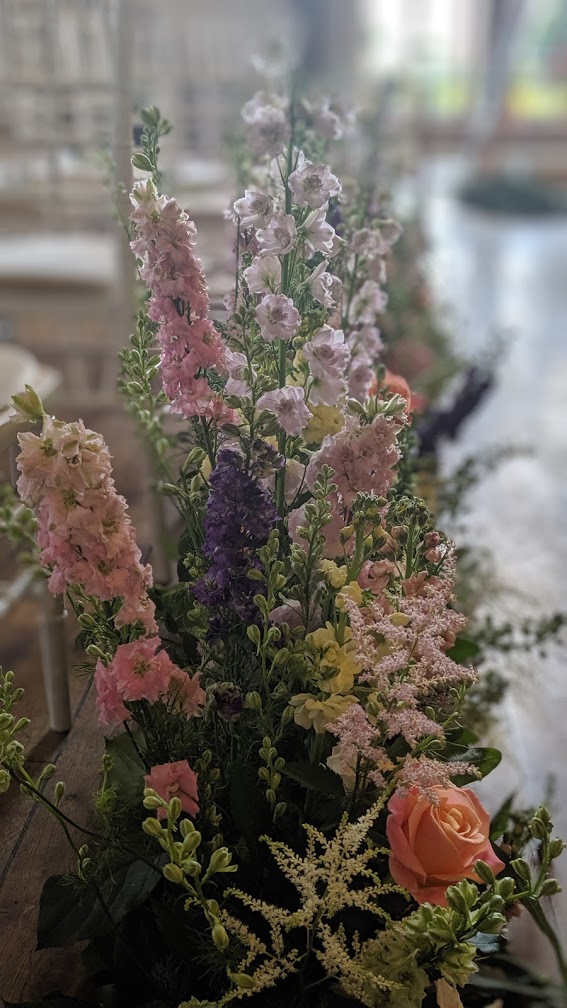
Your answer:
<point x="463" y="649"/>
<point x="315" y="777"/>
<point x="70" y="910"/>
<point x="126" y="774"/>
<point x="484" y="759"/>
<point x="142" y="162"/>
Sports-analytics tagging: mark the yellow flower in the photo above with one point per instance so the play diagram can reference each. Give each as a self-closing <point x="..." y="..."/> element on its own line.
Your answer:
<point x="352" y="591"/>
<point x="336" y="664"/>
<point x="318" y="714"/>
<point x="336" y="576"/>
<point x="400" y="619"/>
<point x="325" y="420"/>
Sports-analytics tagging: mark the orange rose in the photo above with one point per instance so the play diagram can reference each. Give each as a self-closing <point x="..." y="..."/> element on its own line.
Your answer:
<point x="435" y="846"/>
<point x="397" y="385"/>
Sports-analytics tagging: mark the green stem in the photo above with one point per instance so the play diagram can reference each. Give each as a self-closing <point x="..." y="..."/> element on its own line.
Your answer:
<point x="534" y="909"/>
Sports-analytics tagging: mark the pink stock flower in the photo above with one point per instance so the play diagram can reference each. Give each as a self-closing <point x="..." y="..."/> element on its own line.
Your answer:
<point x="264" y="275"/>
<point x="255" y="209"/>
<point x="313" y="185"/>
<point x="279" y="236"/>
<point x="175" y="780"/>
<point x="179" y="303"/>
<point x="84" y="532"/>
<point x="288" y="406"/>
<point x="187" y="694"/>
<point x="277" y="317"/>
<point x="362" y="457"/>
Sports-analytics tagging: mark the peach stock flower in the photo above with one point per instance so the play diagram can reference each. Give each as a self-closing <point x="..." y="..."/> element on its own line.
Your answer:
<point x="436" y="845"/>
<point x="175" y="780"/>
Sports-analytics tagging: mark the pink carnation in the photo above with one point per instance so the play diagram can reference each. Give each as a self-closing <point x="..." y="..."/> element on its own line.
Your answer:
<point x="175" y="780"/>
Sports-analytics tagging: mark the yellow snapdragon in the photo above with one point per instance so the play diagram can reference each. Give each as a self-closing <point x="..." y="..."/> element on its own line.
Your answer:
<point x="310" y="712"/>
<point x="336" y="664"/>
<point x="325" y="420"/>
<point x="334" y="575"/>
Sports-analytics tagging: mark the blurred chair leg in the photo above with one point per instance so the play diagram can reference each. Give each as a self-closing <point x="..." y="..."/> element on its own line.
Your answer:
<point x="55" y="659"/>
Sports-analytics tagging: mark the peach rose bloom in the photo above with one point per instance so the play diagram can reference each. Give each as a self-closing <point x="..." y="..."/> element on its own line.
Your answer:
<point x="435" y="846"/>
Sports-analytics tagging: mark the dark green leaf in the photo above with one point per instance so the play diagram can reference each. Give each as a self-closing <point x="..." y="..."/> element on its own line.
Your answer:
<point x="484" y="759"/>
<point x="70" y="911"/>
<point x="463" y="650"/>
<point x="126" y="774"/>
<point x="500" y="819"/>
<point x="315" y="777"/>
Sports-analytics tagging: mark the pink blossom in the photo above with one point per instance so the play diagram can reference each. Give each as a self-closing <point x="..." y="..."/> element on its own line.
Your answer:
<point x="317" y="234"/>
<point x="264" y="275"/>
<point x="369" y="302"/>
<point x="139" y="672"/>
<point x="268" y="125"/>
<point x="288" y="405"/>
<point x="375" y="575"/>
<point x="327" y="391"/>
<point x="84" y="532"/>
<point x="187" y="694"/>
<point x="333" y="545"/>
<point x="312" y="184"/>
<point x="278" y="317"/>
<point x="326" y="353"/>
<point x="179" y="303"/>
<point x="279" y="236"/>
<point x="361" y="378"/>
<point x="175" y="780"/>
<point x="111" y="708"/>
<point x="254" y="209"/>
<point x="362" y="457"/>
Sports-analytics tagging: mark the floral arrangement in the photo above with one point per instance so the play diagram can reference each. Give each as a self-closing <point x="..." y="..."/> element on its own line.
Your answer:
<point x="284" y="814"/>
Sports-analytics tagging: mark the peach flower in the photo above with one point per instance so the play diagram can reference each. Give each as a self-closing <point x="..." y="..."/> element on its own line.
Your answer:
<point x="436" y="845"/>
<point x="175" y="779"/>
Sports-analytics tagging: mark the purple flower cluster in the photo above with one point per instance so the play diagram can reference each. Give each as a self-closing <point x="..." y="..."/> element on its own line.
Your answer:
<point x="239" y="519"/>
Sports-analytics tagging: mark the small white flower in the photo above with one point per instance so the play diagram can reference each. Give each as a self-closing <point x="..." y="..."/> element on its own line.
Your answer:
<point x="327" y="353"/>
<point x="369" y="302"/>
<point x="264" y="275"/>
<point x="288" y="406"/>
<point x="279" y="237"/>
<point x="278" y="317"/>
<point x="254" y="209"/>
<point x="325" y="287"/>
<point x="327" y="391"/>
<point x="313" y="185"/>
<point x="317" y="233"/>
<point x="238" y="374"/>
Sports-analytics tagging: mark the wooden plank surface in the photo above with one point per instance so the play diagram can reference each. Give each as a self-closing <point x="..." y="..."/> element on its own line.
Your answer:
<point x="41" y="850"/>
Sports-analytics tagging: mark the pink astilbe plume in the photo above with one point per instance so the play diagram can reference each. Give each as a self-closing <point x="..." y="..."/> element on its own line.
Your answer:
<point x="85" y="534"/>
<point x="179" y="303"/>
